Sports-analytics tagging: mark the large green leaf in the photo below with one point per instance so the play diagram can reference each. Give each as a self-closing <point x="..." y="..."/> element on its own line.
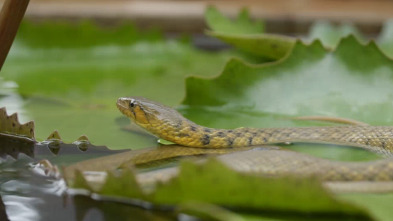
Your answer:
<point x="74" y="88"/>
<point x="310" y="81"/>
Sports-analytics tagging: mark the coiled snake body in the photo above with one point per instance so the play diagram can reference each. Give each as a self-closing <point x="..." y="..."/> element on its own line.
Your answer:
<point x="169" y="124"/>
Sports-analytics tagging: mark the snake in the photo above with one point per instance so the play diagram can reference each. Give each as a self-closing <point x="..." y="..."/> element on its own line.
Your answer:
<point x="167" y="123"/>
<point x="252" y="157"/>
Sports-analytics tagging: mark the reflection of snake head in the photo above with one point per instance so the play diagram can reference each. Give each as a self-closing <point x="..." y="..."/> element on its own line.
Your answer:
<point x="150" y="115"/>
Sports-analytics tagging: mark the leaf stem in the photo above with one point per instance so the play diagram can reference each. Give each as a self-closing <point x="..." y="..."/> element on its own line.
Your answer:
<point x="10" y="17"/>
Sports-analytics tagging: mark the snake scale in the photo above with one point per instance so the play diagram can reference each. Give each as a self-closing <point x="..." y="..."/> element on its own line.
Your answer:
<point x="170" y="125"/>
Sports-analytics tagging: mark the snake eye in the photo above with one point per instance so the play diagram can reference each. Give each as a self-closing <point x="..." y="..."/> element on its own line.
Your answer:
<point x="132" y="103"/>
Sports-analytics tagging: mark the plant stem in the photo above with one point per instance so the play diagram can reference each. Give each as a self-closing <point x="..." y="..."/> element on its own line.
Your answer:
<point x="10" y="17"/>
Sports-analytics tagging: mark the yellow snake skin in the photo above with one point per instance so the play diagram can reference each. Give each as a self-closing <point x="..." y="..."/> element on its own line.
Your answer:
<point x="239" y="148"/>
<point x="268" y="162"/>
<point x="170" y="125"/>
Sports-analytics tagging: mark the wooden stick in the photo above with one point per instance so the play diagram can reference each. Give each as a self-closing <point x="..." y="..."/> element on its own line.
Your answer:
<point x="10" y="17"/>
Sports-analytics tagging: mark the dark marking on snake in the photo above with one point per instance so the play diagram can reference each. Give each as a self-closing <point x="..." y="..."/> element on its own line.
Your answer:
<point x="183" y="135"/>
<point x="207" y="130"/>
<point x="250" y="140"/>
<point x="193" y="128"/>
<point x="367" y="141"/>
<point x="230" y="141"/>
<point x="205" y="139"/>
<point x="221" y="134"/>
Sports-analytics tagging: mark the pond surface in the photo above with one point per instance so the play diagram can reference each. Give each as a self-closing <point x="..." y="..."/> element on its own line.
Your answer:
<point x="28" y="193"/>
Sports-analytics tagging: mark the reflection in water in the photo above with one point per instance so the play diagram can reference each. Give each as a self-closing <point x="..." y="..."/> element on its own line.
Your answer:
<point x="14" y="147"/>
<point x="90" y="209"/>
<point x="30" y="194"/>
<point x="21" y="208"/>
<point x="3" y="214"/>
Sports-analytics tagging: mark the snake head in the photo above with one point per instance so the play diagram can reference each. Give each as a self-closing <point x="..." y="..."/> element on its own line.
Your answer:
<point x="147" y="113"/>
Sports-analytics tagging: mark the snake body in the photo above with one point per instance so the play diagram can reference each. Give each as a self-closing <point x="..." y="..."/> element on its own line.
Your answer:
<point x="240" y="150"/>
<point x="268" y="162"/>
<point x="169" y="124"/>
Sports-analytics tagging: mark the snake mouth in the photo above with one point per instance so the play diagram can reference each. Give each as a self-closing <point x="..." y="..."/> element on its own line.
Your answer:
<point x="122" y="105"/>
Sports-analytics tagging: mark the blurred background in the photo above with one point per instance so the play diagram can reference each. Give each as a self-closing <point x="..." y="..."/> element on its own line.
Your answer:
<point x="281" y="16"/>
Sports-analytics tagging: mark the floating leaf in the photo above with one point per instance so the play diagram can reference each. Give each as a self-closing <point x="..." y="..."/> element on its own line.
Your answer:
<point x="241" y="25"/>
<point x="311" y="81"/>
<point x="225" y="187"/>
<point x="74" y="89"/>
<point x="125" y="184"/>
<point x="212" y="182"/>
<point x="208" y="211"/>
<point x="247" y="36"/>
<point x="41" y="36"/>
<point x="264" y="45"/>
<point x="82" y="142"/>
<point x="54" y="136"/>
<point x="15" y="138"/>
<point x="378" y="205"/>
<point x="83" y="138"/>
<point x="80" y="181"/>
<point x="331" y="35"/>
<point x="385" y="39"/>
<point x="9" y="124"/>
